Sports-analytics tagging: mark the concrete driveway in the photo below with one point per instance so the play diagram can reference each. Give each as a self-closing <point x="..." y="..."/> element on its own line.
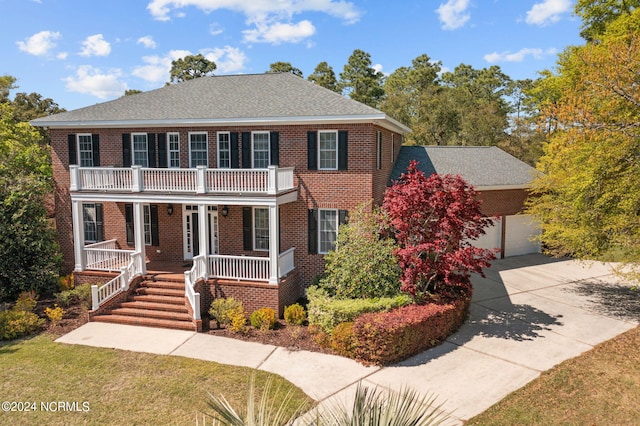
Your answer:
<point x="529" y="314"/>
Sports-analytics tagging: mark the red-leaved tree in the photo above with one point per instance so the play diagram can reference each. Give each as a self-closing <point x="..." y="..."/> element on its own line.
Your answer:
<point x="435" y="220"/>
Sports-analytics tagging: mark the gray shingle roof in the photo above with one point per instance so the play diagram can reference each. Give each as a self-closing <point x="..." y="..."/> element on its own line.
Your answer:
<point x="481" y="166"/>
<point x="222" y="99"/>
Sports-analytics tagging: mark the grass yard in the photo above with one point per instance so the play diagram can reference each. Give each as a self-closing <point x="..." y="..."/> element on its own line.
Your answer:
<point x="600" y="387"/>
<point x="120" y="387"/>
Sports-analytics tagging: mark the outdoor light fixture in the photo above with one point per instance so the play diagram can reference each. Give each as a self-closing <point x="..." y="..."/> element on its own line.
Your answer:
<point x="225" y="211"/>
<point x="170" y="209"/>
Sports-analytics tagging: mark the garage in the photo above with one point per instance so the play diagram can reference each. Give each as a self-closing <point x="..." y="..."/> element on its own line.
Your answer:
<point x="513" y="235"/>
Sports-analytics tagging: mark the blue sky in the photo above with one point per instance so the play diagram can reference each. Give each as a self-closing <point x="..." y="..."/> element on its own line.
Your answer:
<point x="82" y="52"/>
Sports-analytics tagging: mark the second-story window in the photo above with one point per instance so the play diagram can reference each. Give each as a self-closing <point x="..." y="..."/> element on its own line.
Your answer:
<point x="198" y="153"/>
<point x="224" y="150"/>
<point x="85" y="150"/>
<point x="173" y="150"/>
<point x="260" y="149"/>
<point x="140" y="149"/>
<point x="328" y="150"/>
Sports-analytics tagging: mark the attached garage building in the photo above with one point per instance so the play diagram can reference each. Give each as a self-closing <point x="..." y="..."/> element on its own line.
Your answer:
<point x="502" y="181"/>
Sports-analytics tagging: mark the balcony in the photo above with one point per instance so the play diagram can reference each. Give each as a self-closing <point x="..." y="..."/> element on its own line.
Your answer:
<point x="201" y="180"/>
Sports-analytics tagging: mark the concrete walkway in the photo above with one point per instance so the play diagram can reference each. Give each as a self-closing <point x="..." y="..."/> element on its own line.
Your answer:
<point x="529" y="314"/>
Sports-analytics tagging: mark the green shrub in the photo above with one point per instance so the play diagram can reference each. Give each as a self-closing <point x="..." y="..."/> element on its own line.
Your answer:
<point x="81" y="294"/>
<point x="362" y="265"/>
<point x="264" y="319"/>
<point x="327" y="312"/>
<point x="27" y="301"/>
<point x="220" y="309"/>
<point x="66" y="282"/>
<point x="295" y="314"/>
<point x="237" y="319"/>
<point x="18" y="323"/>
<point x="54" y="314"/>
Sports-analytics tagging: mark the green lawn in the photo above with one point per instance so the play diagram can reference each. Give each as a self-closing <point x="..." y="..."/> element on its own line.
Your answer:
<point x="118" y="387"/>
<point x="600" y="387"/>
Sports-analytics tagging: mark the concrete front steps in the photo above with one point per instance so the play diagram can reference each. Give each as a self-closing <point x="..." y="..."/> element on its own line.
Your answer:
<point x="157" y="302"/>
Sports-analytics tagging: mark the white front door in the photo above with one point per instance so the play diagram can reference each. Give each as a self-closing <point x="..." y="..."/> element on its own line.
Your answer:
<point x="190" y="231"/>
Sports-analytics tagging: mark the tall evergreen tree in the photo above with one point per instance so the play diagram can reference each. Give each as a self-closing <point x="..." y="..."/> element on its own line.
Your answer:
<point x="360" y="81"/>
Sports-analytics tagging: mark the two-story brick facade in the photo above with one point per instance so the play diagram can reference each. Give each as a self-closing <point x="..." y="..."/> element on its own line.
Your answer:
<point x="244" y="180"/>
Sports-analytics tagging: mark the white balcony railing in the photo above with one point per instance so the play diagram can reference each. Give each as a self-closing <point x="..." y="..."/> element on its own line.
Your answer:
<point x="200" y="180"/>
<point x="239" y="267"/>
<point x="105" y="256"/>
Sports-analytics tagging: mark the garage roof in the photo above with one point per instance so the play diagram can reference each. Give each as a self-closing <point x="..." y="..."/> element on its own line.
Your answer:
<point x="484" y="167"/>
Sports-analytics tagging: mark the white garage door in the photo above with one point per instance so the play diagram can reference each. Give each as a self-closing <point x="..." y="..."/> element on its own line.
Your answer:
<point x="492" y="237"/>
<point x="519" y="231"/>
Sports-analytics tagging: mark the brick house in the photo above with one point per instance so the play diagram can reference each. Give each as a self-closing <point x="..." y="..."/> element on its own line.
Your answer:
<point x="219" y="186"/>
<point x="235" y="186"/>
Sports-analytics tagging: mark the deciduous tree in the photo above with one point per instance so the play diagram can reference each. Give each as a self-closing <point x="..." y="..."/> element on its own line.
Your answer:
<point x="435" y="220"/>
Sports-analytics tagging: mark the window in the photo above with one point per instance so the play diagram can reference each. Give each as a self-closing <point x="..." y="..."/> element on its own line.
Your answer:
<point x="393" y="146"/>
<point x="92" y="222"/>
<point x="328" y="150"/>
<point x="173" y="150"/>
<point x="85" y="150"/>
<point x="260" y="150"/>
<point x="149" y="224"/>
<point x="224" y="150"/>
<point x="327" y="230"/>
<point x="198" y="153"/>
<point x="378" y="150"/>
<point x="261" y="228"/>
<point x="140" y="149"/>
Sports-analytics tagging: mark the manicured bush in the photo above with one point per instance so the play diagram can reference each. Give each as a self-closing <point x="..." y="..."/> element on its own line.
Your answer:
<point x="15" y="323"/>
<point x="295" y="314"/>
<point x="237" y="319"/>
<point x="27" y="301"/>
<point x="66" y="282"/>
<point x="343" y="341"/>
<point x="388" y="337"/>
<point x="327" y="312"/>
<point x="54" y="314"/>
<point x="264" y="319"/>
<point x="220" y="309"/>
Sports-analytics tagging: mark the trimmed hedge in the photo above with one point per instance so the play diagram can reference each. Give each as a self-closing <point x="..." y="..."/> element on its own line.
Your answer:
<point x="328" y="312"/>
<point x="388" y="337"/>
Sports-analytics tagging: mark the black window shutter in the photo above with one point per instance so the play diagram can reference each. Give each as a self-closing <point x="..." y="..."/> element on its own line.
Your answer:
<point x="151" y="149"/>
<point x="128" y="218"/>
<point x="155" y="230"/>
<point x="312" y="151"/>
<point x="343" y="216"/>
<point x="73" y="149"/>
<point x="95" y="147"/>
<point x="246" y="150"/>
<point x="342" y="150"/>
<point x="235" y="151"/>
<point x="99" y="222"/>
<point x="162" y="151"/>
<point x="313" y="231"/>
<point x="274" y="140"/>
<point x="247" y="228"/>
<point x="126" y="150"/>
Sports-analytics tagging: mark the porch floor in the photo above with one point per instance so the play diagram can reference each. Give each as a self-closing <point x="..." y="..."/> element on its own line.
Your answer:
<point x="169" y="270"/>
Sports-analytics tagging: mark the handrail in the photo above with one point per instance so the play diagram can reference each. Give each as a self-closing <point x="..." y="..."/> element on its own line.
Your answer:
<point x="100" y="294"/>
<point x="197" y="272"/>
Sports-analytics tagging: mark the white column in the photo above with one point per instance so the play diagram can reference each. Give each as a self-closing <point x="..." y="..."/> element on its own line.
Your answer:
<point x="74" y="174"/>
<point x="272" y="177"/>
<point x="274" y="245"/>
<point x="138" y="237"/>
<point x="203" y="230"/>
<point x="137" y="179"/>
<point x="78" y="235"/>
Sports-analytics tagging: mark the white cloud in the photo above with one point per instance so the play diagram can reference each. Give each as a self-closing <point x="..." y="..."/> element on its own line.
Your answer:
<point x="39" y="44"/>
<point x="95" y="45"/>
<point x="518" y="56"/>
<point x="270" y="21"/>
<point x="157" y="67"/>
<point x="453" y="14"/>
<point x="547" y="12"/>
<point x="215" y="29"/>
<point x="93" y="81"/>
<point x="278" y="32"/>
<point x="62" y="55"/>
<point x="228" y="59"/>
<point x="147" y="41"/>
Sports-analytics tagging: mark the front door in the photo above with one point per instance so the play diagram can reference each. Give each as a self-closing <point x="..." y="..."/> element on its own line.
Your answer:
<point x="191" y="230"/>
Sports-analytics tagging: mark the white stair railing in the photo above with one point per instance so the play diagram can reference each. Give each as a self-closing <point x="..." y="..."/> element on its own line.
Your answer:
<point x="197" y="272"/>
<point x="100" y="294"/>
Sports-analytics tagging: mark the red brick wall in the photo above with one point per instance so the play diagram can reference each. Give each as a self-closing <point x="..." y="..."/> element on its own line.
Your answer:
<point x="503" y="202"/>
<point x="317" y="189"/>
